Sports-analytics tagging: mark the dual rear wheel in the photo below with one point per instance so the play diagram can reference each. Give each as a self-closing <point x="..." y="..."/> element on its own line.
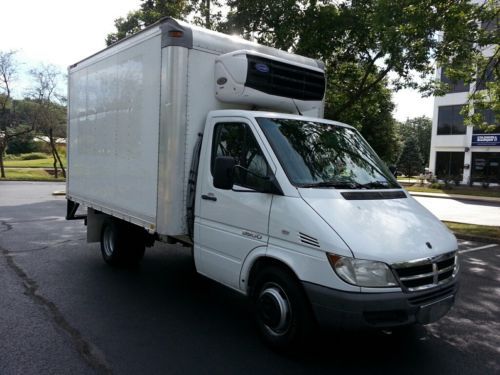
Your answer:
<point x="122" y="243"/>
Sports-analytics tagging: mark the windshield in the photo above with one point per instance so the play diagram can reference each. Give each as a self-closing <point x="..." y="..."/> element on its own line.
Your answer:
<point x="315" y="154"/>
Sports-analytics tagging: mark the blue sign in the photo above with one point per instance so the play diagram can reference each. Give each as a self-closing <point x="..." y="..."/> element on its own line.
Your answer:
<point x="486" y="140"/>
<point x="263" y="68"/>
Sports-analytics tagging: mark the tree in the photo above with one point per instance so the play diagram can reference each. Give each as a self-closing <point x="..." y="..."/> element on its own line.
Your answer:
<point x="371" y="115"/>
<point x="419" y="128"/>
<point x="481" y="68"/>
<point x="204" y="12"/>
<point x="410" y="161"/>
<point x="21" y="144"/>
<point x="149" y="12"/>
<point x="369" y="46"/>
<point x="386" y="38"/>
<point x="9" y="120"/>
<point x="48" y="114"/>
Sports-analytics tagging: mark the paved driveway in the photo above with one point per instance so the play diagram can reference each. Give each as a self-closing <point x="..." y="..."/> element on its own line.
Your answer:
<point x="62" y="311"/>
<point x="463" y="211"/>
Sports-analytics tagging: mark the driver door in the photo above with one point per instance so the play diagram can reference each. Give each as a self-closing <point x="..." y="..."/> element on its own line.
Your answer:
<point x="232" y="223"/>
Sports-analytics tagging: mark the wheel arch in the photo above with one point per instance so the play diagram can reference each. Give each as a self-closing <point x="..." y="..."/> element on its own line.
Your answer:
<point x="262" y="261"/>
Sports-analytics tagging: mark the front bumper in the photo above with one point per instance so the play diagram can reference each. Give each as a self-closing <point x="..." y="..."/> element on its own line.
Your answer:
<point x="379" y="310"/>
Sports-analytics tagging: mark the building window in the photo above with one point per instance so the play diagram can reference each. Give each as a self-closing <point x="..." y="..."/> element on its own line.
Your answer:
<point x="486" y="75"/>
<point x="450" y="121"/>
<point x="488" y="117"/>
<point x="490" y="25"/>
<point x="455" y="86"/>
<point x="449" y="165"/>
<point x="485" y="167"/>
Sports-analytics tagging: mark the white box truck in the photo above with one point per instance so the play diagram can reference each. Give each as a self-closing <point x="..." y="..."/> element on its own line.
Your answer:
<point x="182" y="134"/>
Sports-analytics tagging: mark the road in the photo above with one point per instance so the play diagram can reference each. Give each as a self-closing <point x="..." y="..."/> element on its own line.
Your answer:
<point x="63" y="311"/>
<point x="463" y="211"/>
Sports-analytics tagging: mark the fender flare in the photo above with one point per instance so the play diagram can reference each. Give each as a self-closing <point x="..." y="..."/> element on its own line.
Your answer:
<point x="252" y="257"/>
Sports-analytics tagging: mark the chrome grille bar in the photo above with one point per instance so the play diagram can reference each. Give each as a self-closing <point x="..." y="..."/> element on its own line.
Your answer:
<point x="411" y="277"/>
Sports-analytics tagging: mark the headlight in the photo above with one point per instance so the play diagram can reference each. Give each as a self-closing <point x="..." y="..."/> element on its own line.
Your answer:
<point x="367" y="273"/>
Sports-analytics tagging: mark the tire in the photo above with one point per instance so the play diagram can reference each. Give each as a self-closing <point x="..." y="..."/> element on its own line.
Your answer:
<point x="283" y="312"/>
<point x="122" y="243"/>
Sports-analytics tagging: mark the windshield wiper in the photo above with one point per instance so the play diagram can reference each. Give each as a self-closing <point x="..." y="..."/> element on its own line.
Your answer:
<point x="334" y="184"/>
<point x="376" y="185"/>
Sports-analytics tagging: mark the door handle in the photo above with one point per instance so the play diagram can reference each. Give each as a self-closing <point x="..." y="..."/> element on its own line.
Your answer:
<point x="209" y="197"/>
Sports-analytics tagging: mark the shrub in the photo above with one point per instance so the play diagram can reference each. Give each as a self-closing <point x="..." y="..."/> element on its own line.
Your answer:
<point x="11" y="157"/>
<point x="21" y="144"/>
<point x="61" y="149"/>
<point x="33" y="156"/>
<point x="439" y="185"/>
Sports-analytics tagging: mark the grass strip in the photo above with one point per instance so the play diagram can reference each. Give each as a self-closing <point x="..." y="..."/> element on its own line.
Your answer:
<point x="489" y="192"/>
<point x="28" y="174"/>
<point x="485" y="231"/>
<point x="37" y="163"/>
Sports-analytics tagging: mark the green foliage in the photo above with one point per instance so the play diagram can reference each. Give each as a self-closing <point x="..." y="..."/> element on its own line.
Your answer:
<point x="29" y="174"/>
<point x="149" y="12"/>
<point x="33" y="156"/>
<point x="21" y="144"/>
<point x="421" y="129"/>
<point x="472" y="65"/>
<point x="460" y="190"/>
<point x="368" y="47"/>
<point x="410" y="161"/>
<point x="437" y="185"/>
<point x="203" y="12"/>
<point x="489" y="233"/>
<point x="380" y="37"/>
<point x="371" y="114"/>
<point x="46" y="162"/>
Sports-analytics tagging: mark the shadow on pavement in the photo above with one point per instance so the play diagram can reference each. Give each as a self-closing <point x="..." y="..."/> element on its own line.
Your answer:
<point x="164" y="318"/>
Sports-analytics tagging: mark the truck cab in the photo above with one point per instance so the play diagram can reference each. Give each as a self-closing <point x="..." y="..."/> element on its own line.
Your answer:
<point x="298" y="211"/>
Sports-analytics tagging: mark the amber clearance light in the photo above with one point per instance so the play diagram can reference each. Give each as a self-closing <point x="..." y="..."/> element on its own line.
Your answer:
<point x="175" y="34"/>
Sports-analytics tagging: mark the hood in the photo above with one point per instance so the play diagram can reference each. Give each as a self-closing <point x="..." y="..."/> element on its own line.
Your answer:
<point x="388" y="230"/>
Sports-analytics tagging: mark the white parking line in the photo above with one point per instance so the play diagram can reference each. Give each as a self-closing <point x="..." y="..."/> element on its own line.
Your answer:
<point x="477" y="248"/>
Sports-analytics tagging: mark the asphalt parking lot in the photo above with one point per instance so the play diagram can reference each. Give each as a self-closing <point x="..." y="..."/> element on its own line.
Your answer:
<point x="63" y="311"/>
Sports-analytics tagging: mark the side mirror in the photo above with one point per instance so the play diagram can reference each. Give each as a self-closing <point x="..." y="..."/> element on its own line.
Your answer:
<point x="224" y="172"/>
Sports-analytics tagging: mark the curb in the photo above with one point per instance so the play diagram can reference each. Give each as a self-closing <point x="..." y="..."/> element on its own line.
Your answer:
<point x="59" y="192"/>
<point x="456" y="196"/>
<point x="470" y="237"/>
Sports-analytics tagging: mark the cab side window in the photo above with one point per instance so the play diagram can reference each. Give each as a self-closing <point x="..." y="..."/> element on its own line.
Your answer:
<point x="237" y="140"/>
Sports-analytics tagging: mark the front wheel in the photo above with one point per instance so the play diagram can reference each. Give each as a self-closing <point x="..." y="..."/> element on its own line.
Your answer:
<point x="283" y="312"/>
<point x="121" y="243"/>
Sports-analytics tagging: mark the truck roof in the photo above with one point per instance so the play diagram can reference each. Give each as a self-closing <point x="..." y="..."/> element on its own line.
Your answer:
<point x="254" y="114"/>
<point x="196" y="37"/>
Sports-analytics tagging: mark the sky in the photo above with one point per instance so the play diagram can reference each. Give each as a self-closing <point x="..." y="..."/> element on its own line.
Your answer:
<point x="62" y="32"/>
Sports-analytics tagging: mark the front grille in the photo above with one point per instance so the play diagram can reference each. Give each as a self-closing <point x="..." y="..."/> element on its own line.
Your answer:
<point x="431" y="296"/>
<point x="427" y="273"/>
